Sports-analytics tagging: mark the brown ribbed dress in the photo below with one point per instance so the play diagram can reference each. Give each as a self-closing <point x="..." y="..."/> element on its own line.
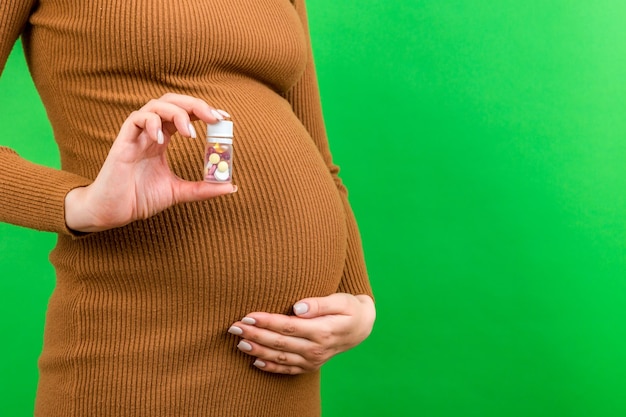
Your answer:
<point x="137" y="324"/>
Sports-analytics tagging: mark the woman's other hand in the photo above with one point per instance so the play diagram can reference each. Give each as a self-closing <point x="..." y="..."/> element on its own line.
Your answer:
<point x="322" y="328"/>
<point x="135" y="181"/>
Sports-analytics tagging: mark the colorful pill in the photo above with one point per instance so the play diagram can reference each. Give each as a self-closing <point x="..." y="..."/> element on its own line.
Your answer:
<point x="222" y="175"/>
<point x="222" y="166"/>
<point x="214" y="158"/>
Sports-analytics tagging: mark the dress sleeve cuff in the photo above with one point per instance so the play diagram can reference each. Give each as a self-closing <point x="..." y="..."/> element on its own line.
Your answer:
<point x="33" y="195"/>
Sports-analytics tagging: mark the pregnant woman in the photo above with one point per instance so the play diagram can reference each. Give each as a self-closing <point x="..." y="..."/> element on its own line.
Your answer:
<point x="176" y="296"/>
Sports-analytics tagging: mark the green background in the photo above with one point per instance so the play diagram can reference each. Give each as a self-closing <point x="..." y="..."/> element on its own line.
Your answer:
<point x="495" y="234"/>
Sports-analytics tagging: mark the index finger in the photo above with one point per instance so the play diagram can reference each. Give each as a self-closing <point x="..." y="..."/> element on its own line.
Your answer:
<point x="195" y="107"/>
<point x="283" y="324"/>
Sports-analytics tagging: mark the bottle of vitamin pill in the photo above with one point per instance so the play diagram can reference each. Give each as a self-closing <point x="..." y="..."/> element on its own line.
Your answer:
<point x="218" y="157"/>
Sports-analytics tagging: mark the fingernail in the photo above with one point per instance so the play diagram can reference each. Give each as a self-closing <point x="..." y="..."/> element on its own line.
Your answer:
<point x="234" y="189"/>
<point x="223" y="113"/>
<point x="217" y="114"/>
<point x="301" y="308"/>
<point x="245" y="346"/>
<point x="259" y="363"/>
<point x="192" y="131"/>
<point x="160" y="138"/>
<point x="235" y="330"/>
<point x="248" y="320"/>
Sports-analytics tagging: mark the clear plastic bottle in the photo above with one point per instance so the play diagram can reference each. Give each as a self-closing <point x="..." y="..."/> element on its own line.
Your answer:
<point x="218" y="156"/>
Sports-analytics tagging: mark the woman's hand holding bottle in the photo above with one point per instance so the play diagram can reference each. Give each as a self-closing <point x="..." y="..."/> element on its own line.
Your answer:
<point x="135" y="181"/>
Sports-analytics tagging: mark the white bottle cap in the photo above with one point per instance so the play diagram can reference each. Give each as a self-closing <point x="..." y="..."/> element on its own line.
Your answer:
<point x="223" y="129"/>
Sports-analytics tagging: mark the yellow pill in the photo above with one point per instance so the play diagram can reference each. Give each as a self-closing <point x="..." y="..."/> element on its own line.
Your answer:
<point x="222" y="166"/>
<point x="214" y="158"/>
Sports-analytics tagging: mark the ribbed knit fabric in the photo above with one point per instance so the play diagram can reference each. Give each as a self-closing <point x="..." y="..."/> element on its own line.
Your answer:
<point x="137" y="324"/>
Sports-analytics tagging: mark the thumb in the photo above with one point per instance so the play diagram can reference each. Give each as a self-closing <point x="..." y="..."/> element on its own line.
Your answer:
<point x="190" y="191"/>
<point x="323" y="306"/>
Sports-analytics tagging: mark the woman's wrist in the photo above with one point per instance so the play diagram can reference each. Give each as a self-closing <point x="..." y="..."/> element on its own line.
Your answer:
<point x="77" y="217"/>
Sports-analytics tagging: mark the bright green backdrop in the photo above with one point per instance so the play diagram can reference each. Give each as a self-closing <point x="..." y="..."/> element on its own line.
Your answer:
<point x="495" y="234"/>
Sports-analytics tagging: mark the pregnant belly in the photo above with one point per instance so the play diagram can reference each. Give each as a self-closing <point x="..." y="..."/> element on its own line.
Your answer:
<point x="286" y="223"/>
<point x="280" y="238"/>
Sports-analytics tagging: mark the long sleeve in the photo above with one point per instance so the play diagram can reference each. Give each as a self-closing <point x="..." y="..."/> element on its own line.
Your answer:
<point x="31" y="195"/>
<point x="305" y="101"/>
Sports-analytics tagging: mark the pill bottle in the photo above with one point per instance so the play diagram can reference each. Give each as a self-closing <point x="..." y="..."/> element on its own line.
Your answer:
<point x="218" y="156"/>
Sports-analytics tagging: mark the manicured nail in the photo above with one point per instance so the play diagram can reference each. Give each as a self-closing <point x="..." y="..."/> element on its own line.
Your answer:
<point x="301" y="308"/>
<point x="160" y="138"/>
<point x="235" y="330"/>
<point x="223" y="113"/>
<point x="217" y="114"/>
<point x="245" y="346"/>
<point x="248" y="320"/>
<point x="234" y="189"/>
<point x="259" y="363"/>
<point x="192" y="131"/>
